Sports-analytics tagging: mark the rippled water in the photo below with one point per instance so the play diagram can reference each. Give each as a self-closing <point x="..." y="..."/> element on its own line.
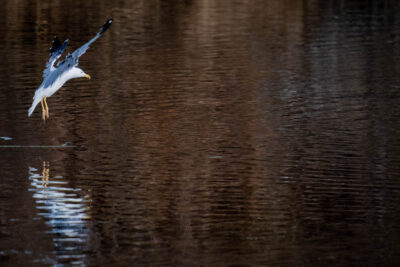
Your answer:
<point x="64" y="211"/>
<point x="212" y="133"/>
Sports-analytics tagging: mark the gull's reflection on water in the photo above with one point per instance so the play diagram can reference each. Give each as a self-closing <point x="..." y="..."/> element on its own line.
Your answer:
<point x="65" y="210"/>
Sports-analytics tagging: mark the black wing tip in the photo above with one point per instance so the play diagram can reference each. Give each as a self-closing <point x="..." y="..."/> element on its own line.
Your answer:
<point x="105" y="26"/>
<point x="57" y="46"/>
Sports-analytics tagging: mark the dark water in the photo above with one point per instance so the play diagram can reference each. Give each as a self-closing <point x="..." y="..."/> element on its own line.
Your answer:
<point x="212" y="133"/>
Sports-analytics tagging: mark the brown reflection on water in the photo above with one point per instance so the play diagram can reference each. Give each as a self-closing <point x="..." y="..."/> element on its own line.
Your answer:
<point x="212" y="133"/>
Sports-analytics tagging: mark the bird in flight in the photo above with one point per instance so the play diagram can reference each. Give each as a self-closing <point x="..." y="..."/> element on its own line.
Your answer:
<point x="54" y="76"/>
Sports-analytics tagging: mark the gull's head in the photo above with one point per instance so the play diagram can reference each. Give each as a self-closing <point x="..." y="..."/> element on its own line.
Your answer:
<point x="78" y="73"/>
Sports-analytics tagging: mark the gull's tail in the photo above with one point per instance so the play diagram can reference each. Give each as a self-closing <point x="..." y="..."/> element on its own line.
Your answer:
<point x="36" y="100"/>
<point x="32" y="108"/>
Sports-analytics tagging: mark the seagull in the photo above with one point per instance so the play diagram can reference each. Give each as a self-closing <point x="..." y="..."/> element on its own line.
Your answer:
<point x="54" y="76"/>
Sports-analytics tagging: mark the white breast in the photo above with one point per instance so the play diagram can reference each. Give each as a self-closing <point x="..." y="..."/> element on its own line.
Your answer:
<point x="49" y="91"/>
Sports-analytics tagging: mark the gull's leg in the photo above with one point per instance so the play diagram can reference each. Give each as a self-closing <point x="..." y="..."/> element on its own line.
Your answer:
<point x="47" y="108"/>
<point x="43" y="111"/>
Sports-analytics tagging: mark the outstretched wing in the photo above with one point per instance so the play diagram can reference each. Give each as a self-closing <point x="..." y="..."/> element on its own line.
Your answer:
<point x="72" y="60"/>
<point x="56" y="51"/>
<point x="81" y="50"/>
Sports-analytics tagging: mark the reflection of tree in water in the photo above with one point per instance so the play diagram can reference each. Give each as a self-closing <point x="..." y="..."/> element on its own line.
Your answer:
<point x="65" y="211"/>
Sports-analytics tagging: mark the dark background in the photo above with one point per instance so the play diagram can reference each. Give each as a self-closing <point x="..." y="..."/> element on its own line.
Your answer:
<point x="212" y="133"/>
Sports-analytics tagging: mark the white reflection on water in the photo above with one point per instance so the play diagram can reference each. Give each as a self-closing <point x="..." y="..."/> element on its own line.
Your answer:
<point x="65" y="210"/>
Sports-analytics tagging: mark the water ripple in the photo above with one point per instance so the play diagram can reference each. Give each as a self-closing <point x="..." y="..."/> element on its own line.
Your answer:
<point x="65" y="210"/>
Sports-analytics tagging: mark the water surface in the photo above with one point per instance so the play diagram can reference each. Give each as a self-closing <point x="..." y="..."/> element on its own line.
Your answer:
<point x="212" y="133"/>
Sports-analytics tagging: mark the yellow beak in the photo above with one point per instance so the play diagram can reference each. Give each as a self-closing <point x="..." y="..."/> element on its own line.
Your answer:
<point x="87" y="76"/>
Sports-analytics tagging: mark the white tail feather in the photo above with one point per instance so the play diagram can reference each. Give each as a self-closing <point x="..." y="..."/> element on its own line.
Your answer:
<point x="36" y="100"/>
<point x="32" y="108"/>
